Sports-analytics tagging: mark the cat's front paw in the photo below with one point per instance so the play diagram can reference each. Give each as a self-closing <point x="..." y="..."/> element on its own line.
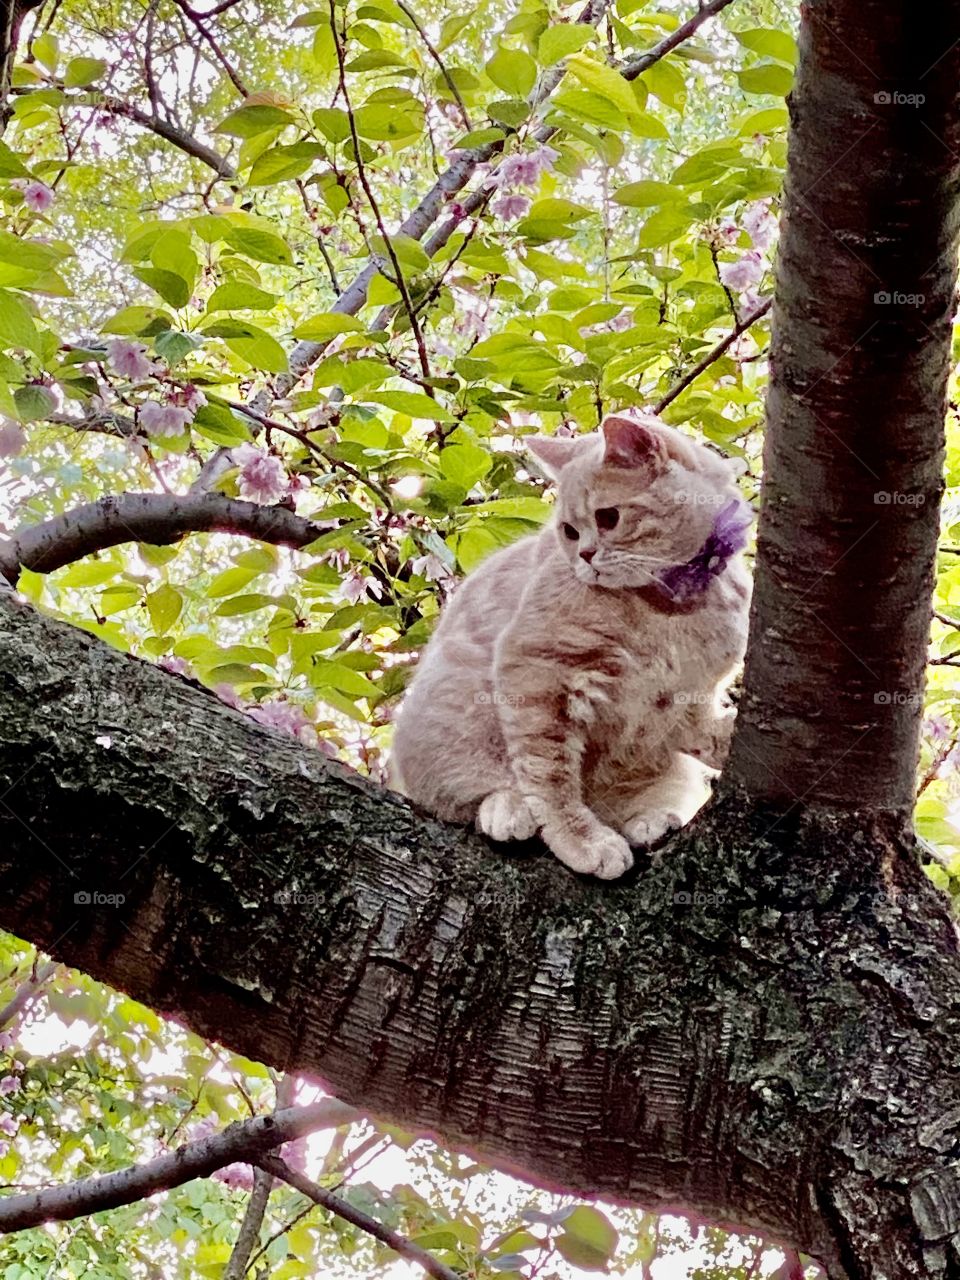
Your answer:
<point x="506" y="815"/>
<point x="605" y="855"/>
<point x="648" y="828"/>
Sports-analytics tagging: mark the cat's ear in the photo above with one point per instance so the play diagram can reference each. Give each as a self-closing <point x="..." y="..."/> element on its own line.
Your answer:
<point x="554" y="452"/>
<point x="630" y="444"/>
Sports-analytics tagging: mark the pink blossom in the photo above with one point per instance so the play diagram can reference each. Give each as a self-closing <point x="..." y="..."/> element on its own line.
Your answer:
<point x="524" y="168"/>
<point x="190" y="398"/>
<point x="129" y="359"/>
<point x="13" y="439"/>
<point x="226" y="693"/>
<point x="356" y="587"/>
<point x="9" y="1084"/>
<point x="176" y="666"/>
<point x="262" y="477"/>
<point x="287" y="717"/>
<point x="751" y="300"/>
<point x="238" y="1177"/>
<point x="6" y="1041"/>
<point x="937" y="728"/>
<point x="9" y="1125"/>
<point x="164" y="419"/>
<point x="743" y="274"/>
<point x="472" y="326"/>
<point x="4" y="1149"/>
<point x="37" y="196"/>
<point x="509" y="208"/>
<point x="728" y="231"/>
<point x="760" y="225"/>
<point x="430" y="567"/>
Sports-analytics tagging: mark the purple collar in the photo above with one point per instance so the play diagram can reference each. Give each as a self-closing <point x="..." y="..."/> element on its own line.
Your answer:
<point x="682" y="582"/>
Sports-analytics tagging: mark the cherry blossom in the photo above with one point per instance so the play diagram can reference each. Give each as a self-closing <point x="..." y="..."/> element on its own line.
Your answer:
<point x="238" y="1177"/>
<point x="13" y="439"/>
<point x="6" y="1041"/>
<point x="509" y="208"/>
<point x="37" y="196"/>
<point x="262" y="476"/>
<point x="430" y="567"/>
<point x="355" y="587"/>
<point x="9" y="1125"/>
<point x="760" y="225"/>
<point x="129" y="359"/>
<point x="164" y="419"/>
<point x="176" y="666"/>
<point x="9" y="1084"/>
<point x="743" y="274"/>
<point x="524" y="168"/>
<point x="287" y="717"/>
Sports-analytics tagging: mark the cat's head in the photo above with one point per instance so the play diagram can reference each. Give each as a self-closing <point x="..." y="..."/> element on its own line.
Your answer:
<point x="634" y="498"/>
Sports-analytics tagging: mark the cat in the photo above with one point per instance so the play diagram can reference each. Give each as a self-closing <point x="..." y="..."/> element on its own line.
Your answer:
<point x="574" y="685"/>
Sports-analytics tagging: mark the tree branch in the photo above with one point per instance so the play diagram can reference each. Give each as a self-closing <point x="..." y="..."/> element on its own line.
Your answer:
<point x="713" y="355"/>
<point x="156" y="518"/>
<point x="278" y="1168"/>
<point x="244" y="1141"/>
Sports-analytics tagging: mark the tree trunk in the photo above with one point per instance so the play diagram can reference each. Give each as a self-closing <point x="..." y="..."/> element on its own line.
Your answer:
<point x="853" y="461"/>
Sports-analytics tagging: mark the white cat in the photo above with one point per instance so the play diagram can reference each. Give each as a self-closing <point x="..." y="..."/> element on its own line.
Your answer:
<point x="574" y="685"/>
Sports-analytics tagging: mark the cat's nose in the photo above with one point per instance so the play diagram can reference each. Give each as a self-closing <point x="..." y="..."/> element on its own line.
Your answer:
<point x="588" y="553"/>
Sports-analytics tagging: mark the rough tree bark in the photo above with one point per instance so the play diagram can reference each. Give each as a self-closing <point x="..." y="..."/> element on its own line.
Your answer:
<point x="764" y="1027"/>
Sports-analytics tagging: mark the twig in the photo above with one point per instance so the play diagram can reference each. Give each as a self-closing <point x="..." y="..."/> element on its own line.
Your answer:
<point x="27" y="992"/>
<point x="372" y="200"/>
<point x="197" y="20"/>
<point x="431" y="49"/>
<point x="327" y="1200"/>
<point x="245" y="1141"/>
<point x="712" y="356"/>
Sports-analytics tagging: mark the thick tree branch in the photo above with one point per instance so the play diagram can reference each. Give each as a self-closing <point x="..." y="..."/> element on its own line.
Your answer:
<point x="156" y="518"/>
<point x="711" y="1035"/>
<point x="278" y="1168"/>
<point x="246" y="1141"/>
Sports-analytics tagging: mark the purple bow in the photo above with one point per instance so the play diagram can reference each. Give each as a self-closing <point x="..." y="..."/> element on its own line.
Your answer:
<point x="728" y="536"/>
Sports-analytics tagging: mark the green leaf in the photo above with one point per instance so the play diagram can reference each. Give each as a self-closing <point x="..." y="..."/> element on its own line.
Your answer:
<point x="237" y="296"/>
<point x="589" y="1239"/>
<point x="28" y="253"/>
<point x="251" y="343"/>
<point x="770" y="120"/>
<point x="464" y="464"/>
<point x="665" y="226"/>
<point x="768" y="77"/>
<point x="136" y="320"/>
<point x="279" y="164"/>
<point x="230" y="581"/>
<point x="329" y="325"/>
<point x="171" y="287"/>
<point x="770" y="43"/>
<point x="34" y="402"/>
<point x="249" y="121"/>
<point x="562" y="39"/>
<point x="221" y="425"/>
<point x="164" y="606"/>
<point x="602" y="79"/>
<point x="17" y="328"/>
<point x="513" y="71"/>
<point x="416" y="404"/>
<point x="260" y="245"/>
<point x="84" y="71"/>
<point x="646" y="194"/>
<point x="333" y="123"/>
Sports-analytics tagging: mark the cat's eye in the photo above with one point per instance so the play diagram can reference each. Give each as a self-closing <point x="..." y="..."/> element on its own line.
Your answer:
<point x="607" y="517"/>
<point x="572" y="533"/>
